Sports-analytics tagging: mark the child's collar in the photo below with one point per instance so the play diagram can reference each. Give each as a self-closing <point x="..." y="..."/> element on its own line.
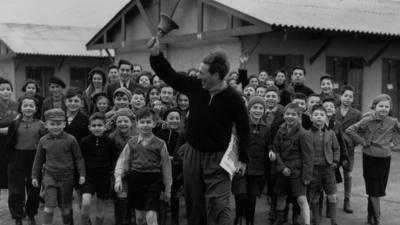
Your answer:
<point x="56" y="136"/>
<point x="57" y="98"/>
<point x="254" y="122"/>
<point x="267" y="110"/>
<point x="142" y="138"/>
<point x="313" y="128"/>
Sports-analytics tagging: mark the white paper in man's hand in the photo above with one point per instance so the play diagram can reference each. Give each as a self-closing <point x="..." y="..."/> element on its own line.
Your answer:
<point x="230" y="160"/>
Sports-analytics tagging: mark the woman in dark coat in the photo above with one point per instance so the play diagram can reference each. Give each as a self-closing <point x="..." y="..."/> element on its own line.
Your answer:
<point x="97" y="84"/>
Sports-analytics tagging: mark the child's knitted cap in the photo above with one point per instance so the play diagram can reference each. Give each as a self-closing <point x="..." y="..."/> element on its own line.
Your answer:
<point x="123" y="91"/>
<point x="254" y="100"/>
<point x="125" y="112"/>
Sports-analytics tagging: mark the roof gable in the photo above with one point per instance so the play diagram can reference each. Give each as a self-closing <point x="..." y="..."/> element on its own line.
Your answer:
<point x="199" y="20"/>
<point x="47" y="40"/>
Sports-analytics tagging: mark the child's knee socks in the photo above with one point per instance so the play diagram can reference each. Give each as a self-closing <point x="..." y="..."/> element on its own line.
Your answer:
<point x="48" y="217"/>
<point x="67" y="218"/>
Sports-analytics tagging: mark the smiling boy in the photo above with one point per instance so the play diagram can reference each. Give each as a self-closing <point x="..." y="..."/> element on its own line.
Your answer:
<point x="58" y="154"/>
<point x="148" y="169"/>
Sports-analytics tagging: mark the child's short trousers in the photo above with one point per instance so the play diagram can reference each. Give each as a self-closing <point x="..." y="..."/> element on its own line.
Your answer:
<point x="290" y="185"/>
<point x="58" y="191"/>
<point x="323" y="178"/>
<point x="97" y="184"/>
<point x="144" y="190"/>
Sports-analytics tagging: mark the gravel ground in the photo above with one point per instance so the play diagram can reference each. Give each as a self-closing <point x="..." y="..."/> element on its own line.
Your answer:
<point x="390" y="204"/>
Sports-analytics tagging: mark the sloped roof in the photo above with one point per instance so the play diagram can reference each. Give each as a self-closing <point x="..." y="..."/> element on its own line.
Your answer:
<point x="48" y="40"/>
<point x="381" y="17"/>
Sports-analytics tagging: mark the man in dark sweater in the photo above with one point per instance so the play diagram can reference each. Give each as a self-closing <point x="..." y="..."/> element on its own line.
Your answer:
<point x="214" y="109"/>
<point x="298" y="77"/>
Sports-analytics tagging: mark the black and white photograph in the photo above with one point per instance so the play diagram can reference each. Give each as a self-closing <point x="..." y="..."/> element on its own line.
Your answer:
<point x="199" y="112"/>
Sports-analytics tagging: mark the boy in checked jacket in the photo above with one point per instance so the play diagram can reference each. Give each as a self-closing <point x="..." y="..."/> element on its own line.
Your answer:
<point x="294" y="163"/>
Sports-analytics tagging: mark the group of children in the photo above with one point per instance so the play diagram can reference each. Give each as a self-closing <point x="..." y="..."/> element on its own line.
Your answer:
<point x="127" y="147"/>
<point x="126" y="150"/>
<point x="306" y="142"/>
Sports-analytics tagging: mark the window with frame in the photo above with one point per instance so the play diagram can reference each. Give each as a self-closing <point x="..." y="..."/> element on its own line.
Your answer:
<point x="272" y="63"/>
<point x="79" y="77"/>
<point x="41" y="75"/>
<point x="347" y="70"/>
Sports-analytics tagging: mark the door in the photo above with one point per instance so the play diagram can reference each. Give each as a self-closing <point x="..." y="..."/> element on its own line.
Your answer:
<point x="391" y="83"/>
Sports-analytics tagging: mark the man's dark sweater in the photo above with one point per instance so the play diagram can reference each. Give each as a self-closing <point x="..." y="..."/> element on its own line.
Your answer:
<point x="301" y="88"/>
<point x="211" y="117"/>
<point x="99" y="153"/>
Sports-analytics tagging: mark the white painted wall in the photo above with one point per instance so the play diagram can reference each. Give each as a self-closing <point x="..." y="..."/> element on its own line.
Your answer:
<point x="183" y="58"/>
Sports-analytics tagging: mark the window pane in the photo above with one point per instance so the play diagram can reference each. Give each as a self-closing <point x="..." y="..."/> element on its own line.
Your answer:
<point x="41" y="75"/>
<point x="347" y="70"/>
<point x="272" y="63"/>
<point x="79" y="76"/>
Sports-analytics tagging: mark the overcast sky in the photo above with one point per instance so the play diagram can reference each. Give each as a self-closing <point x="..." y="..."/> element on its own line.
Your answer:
<point x="88" y="13"/>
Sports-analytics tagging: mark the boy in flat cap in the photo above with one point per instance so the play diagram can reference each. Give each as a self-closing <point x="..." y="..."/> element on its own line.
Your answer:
<point x="56" y="98"/>
<point x="58" y="154"/>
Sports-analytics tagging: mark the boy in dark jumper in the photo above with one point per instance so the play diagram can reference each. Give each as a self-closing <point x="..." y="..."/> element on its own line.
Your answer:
<point x="146" y="162"/>
<point x="170" y="133"/>
<point x="58" y="154"/>
<point x="326" y="156"/>
<point x="99" y="153"/>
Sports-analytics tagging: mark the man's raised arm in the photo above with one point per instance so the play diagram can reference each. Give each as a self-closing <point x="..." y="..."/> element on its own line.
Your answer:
<point x="164" y="70"/>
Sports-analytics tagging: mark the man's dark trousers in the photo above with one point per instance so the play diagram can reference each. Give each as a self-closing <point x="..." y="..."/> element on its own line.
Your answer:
<point x="207" y="188"/>
<point x="19" y="178"/>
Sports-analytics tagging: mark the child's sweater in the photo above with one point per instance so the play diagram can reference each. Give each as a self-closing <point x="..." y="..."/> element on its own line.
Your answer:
<point x="375" y="134"/>
<point x="170" y="137"/>
<point x="148" y="155"/>
<point x="58" y="155"/>
<point x="99" y="153"/>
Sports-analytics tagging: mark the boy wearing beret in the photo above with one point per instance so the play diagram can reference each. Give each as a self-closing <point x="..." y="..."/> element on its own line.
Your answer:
<point x="58" y="154"/>
<point x="56" y="98"/>
<point x="121" y="100"/>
